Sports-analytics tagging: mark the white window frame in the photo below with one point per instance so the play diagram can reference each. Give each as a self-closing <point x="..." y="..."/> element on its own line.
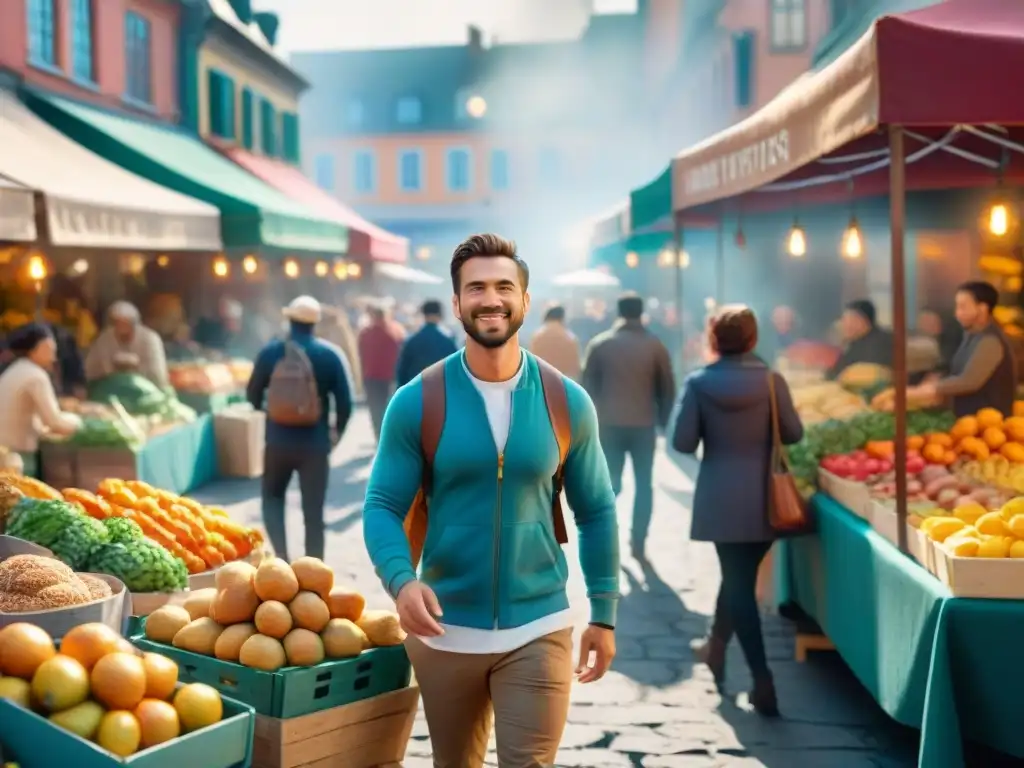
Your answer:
<point x="787" y="25"/>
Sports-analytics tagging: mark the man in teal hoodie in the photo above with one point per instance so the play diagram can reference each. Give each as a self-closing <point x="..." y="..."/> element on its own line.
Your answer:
<point x="488" y="617"/>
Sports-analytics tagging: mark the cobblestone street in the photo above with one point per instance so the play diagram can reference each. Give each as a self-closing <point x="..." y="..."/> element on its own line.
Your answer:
<point x="656" y="709"/>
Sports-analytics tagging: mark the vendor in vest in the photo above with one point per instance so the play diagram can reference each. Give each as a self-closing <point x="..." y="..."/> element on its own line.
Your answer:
<point x="983" y="372"/>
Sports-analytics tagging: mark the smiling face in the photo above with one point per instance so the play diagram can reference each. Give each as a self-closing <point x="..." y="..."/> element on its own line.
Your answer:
<point x="491" y="302"/>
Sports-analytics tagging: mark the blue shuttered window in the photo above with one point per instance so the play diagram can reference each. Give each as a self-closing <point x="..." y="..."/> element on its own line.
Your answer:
<point x="42" y="31"/>
<point x="222" y="104"/>
<point x="290" y="137"/>
<point x="323" y="172"/>
<point x="364" y="167"/>
<point x="268" y="128"/>
<point x="743" y="68"/>
<point x="459" y="171"/>
<point x="138" y="58"/>
<point x="247" y="118"/>
<point x="81" y="39"/>
<point x="410" y="170"/>
<point x="499" y="169"/>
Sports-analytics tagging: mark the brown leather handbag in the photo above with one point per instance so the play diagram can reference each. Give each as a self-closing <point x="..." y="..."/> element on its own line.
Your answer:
<point x="787" y="510"/>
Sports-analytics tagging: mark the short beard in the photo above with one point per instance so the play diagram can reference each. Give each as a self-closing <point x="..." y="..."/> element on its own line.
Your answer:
<point x="492" y="342"/>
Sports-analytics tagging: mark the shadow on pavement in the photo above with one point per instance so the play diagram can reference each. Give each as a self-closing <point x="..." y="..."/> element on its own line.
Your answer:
<point x="652" y="620"/>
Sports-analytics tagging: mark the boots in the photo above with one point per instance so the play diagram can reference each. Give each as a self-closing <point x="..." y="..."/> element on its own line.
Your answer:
<point x="762" y="697"/>
<point x="711" y="651"/>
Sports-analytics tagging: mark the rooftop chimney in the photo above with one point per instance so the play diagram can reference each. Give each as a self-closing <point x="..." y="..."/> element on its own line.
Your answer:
<point x="476" y="38"/>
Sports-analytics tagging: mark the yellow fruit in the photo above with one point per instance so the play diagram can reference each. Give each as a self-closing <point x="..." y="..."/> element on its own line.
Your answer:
<point x="262" y="652"/>
<point x="161" y="676"/>
<point x="165" y="622"/>
<point x="1017" y="549"/>
<point x="198" y="706"/>
<point x="342" y="639"/>
<point x="994" y="546"/>
<point x="345" y="604"/>
<point x="237" y="574"/>
<point x="158" y="722"/>
<point x="303" y="648"/>
<point x="231" y="639"/>
<point x="309" y="611"/>
<point x="991" y="524"/>
<point x="120" y="733"/>
<point x="60" y="683"/>
<point x="198" y="603"/>
<point x="1016" y="526"/>
<point x="962" y="546"/>
<point x="88" y="643"/>
<point x="199" y="636"/>
<point x="16" y="691"/>
<point x="275" y="580"/>
<point x="1013" y="507"/>
<point x="314" y="575"/>
<point x="273" y="619"/>
<point x="235" y="604"/>
<point x="119" y="681"/>
<point x="23" y="647"/>
<point x="969" y="512"/>
<point x="82" y="720"/>
<point x="944" y="527"/>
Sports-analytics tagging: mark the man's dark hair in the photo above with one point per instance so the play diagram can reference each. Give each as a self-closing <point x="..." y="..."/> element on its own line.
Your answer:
<point x="631" y="306"/>
<point x="734" y="329"/>
<point x="486" y="246"/>
<point x="865" y="308"/>
<point x="431" y="308"/>
<point x="982" y="292"/>
<point x="555" y="314"/>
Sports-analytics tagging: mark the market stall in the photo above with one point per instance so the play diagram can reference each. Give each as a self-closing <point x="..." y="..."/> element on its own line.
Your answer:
<point x="918" y="103"/>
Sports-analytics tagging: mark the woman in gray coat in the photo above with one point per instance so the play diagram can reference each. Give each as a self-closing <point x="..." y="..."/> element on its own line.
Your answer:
<point x="726" y="406"/>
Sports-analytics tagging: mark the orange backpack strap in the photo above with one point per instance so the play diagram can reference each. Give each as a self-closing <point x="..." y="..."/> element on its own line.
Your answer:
<point x="558" y="411"/>
<point x="431" y="424"/>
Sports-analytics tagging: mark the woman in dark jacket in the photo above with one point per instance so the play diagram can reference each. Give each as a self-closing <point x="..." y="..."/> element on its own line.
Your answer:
<point x="726" y="406"/>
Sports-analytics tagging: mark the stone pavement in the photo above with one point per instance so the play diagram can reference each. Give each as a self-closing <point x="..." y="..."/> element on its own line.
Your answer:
<point x="656" y="708"/>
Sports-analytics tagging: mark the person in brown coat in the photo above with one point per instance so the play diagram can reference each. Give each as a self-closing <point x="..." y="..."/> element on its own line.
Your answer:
<point x="556" y="344"/>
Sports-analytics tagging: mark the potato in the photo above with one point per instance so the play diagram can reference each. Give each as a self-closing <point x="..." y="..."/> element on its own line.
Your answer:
<point x="164" y="623"/>
<point x="231" y="639"/>
<point x="199" y="636"/>
<point x="344" y="604"/>
<point x="382" y="628"/>
<point x="198" y="603"/>
<point x="343" y="639"/>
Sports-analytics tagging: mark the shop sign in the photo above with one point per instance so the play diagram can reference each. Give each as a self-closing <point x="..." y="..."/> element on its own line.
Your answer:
<point x="738" y="167"/>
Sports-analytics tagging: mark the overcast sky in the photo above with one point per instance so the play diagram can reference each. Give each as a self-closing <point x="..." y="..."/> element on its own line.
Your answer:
<point x="328" y="24"/>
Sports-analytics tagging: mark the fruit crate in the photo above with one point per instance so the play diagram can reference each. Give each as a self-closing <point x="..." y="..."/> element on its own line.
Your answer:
<point x="855" y="496"/>
<point x="984" y="577"/>
<point x="31" y="741"/>
<point x="367" y="734"/>
<point x="294" y="691"/>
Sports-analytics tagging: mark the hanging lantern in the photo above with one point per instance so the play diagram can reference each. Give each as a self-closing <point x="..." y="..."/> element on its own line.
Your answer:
<point x="853" y="241"/>
<point x="163" y="261"/>
<point x="632" y="260"/>
<point x="796" y="242"/>
<point x="291" y="268"/>
<point x="684" y="259"/>
<point x="999" y="219"/>
<point x="340" y="270"/>
<point x="250" y="265"/>
<point x="355" y="271"/>
<point x="221" y="268"/>
<point x="322" y="269"/>
<point x="37" y="270"/>
<point x="666" y="257"/>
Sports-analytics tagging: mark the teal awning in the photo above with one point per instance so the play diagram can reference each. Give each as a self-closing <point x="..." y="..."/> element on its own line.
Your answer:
<point x="253" y="214"/>
<point x="854" y="24"/>
<point x="651" y="205"/>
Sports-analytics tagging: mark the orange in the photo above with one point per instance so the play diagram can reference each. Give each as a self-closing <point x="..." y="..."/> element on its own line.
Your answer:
<point x="158" y="722"/>
<point x="119" y="681"/>
<point x="161" y="676"/>
<point x="940" y="438"/>
<point x="1013" y="452"/>
<point x="120" y="733"/>
<point x="198" y="706"/>
<point x="989" y="417"/>
<point x="60" y="683"/>
<point x="23" y="647"/>
<point x="123" y="646"/>
<point x="915" y="443"/>
<point x="88" y="643"/>
<point x="1014" y="428"/>
<point x="994" y="437"/>
<point x="966" y="426"/>
<point x="1018" y="408"/>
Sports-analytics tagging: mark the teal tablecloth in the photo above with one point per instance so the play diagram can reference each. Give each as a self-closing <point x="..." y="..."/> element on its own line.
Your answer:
<point x="182" y="459"/>
<point x="946" y="665"/>
<point x="212" y="403"/>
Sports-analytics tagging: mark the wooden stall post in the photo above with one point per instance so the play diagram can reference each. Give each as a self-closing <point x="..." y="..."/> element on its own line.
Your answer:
<point x="897" y="224"/>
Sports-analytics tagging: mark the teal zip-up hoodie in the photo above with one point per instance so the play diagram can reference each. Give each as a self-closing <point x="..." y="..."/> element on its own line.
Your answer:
<point x="490" y="553"/>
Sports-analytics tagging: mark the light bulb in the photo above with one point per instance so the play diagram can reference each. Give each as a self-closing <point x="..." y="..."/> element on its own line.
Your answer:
<point x="423" y="253"/>
<point x="322" y="269"/>
<point x="250" y="265"/>
<point x="163" y="261"/>
<point x="853" y="242"/>
<point x="220" y="267"/>
<point x="632" y="259"/>
<point x="340" y="270"/>
<point x="354" y="270"/>
<point x="476" y="107"/>
<point x="684" y="259"/>
<point x="797" y="244"/>
<point x="291" y="268"/>
<point x="999" y="220"/>
<point x="36" y="268"/>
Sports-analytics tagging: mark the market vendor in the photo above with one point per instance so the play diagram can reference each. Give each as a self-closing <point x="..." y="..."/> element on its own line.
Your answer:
<point x="127" y="345"/>
<point x="983" y="372"/>
<point x="30" y="405"/>
<point x="864" y="341"/>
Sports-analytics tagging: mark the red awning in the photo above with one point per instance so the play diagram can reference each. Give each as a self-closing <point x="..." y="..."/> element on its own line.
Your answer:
<point x="364" y="238"/>
<point x="955" y="63"/>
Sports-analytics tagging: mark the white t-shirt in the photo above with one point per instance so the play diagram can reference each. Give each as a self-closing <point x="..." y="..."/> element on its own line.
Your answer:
<point x="497" y="397"/>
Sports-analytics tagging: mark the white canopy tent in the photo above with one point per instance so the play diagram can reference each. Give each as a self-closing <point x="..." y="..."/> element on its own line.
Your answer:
<point x="586" y="278"/>
<point x="405" y="274"/>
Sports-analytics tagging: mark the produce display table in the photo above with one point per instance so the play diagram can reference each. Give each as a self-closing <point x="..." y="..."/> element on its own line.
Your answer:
<point x="942" y="664"/>
<point x="210" y="403"/>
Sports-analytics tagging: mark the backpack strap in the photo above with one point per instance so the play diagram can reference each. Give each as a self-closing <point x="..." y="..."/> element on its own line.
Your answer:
<point x="557" y="401"/>
<point x="432" y="421"/>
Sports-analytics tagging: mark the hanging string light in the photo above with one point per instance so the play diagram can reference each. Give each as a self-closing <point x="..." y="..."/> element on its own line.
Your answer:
<point x="796" y="242"/>
<point x="666" y="257"/>
<point x="250" y="265"/>
<point x="853" y="240"/>
<point x="37" y="268"/>
<point x="291" y="268"/>
<point x="163" y="261"/>
<point x="322" y="269"/>
<point x="355" y="271"/>
<point x="999" y="219"/>
<point x="221" y="268"/>
<point x="632" y="260"/>
<point x="340" y="270"/>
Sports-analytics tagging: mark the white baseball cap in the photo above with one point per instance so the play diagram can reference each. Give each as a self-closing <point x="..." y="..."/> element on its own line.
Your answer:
<point x="303" y="309"/>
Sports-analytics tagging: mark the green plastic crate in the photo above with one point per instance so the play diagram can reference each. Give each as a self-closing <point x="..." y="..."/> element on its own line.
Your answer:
<point x="294" y="691"/>
<point x="32" y="742"/>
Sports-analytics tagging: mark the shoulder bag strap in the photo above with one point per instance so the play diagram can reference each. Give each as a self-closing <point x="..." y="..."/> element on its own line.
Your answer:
<point x="557" y="402"/>
<point x="780" y="462"/>
<point x="432" y="420"/>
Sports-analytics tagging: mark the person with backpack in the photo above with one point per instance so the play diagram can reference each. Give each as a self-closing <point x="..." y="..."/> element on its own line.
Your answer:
<point x="293" y="380"/>
<point x="473" y="455"/>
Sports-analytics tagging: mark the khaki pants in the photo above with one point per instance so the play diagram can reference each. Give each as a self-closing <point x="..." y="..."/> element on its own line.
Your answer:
<point x="525" y="692"/>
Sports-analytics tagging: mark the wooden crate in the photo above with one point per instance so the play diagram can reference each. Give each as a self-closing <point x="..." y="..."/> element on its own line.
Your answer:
<point x="855" y="496"/>
<point x="69" y="466"/>
<point x="367" y="734"/>
<point x="999" y="578"/>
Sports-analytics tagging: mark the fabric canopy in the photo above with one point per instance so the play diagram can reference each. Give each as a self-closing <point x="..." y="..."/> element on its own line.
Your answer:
<point x="364" y="238"/>
<point x="253" y="215"/>
<point x="93" y="203"/>
<point x="17" y="212"/>
<point x="405" y="274"/>
<point x="586" y="278"/>
<point x="611" y="226"/>
<point x="957" y="62"/>
<point x="651" y="205"/>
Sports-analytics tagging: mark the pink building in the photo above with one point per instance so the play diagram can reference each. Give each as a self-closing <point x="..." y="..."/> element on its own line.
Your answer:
<point x="119" y="53"/>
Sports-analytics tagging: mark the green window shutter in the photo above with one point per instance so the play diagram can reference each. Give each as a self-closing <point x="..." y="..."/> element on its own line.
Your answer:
<point x="268" y="128"/>
<point x="290" y="129"/>
<point x="228" y="100"/>
<point x="215" y="101"/>
<point x="247" y="118"/>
